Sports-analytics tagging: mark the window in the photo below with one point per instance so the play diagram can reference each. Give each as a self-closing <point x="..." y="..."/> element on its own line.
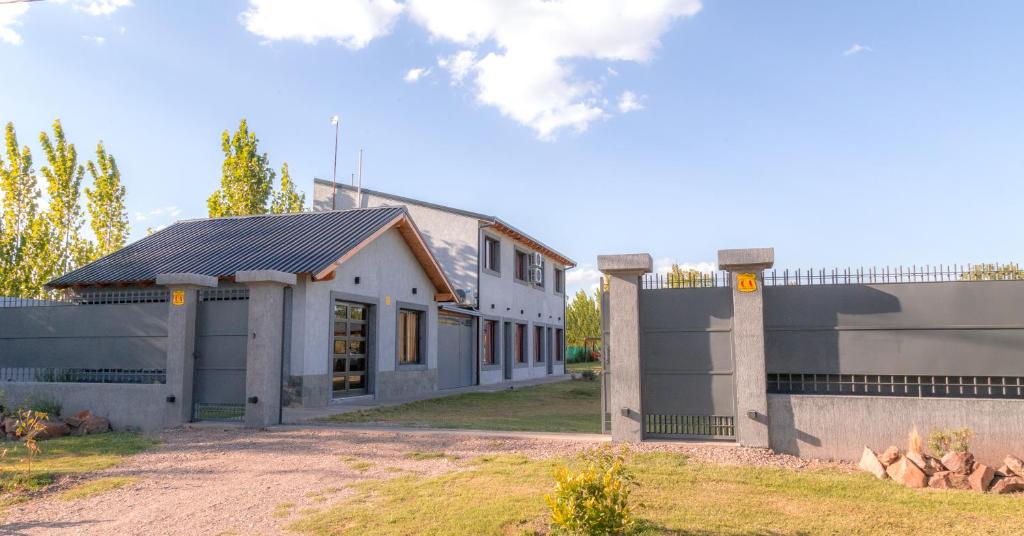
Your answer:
<point x="409" y="334"/>
<point x="490" y="342"/>
<point x="520" y="343"/>
<point x="559" y="345"/>
<point x="492" y="254"/>
<point x="538" y="344"/>
<point x="522" y="265"/>
<point x="559" y="281"/>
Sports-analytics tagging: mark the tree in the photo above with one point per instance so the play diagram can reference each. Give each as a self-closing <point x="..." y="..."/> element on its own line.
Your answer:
<point x="583" y="318"/>
<point x="677" y="277"/>
<point x="993" y="272"/>
<point x="107" y="214"/>
<point x="246" y="176"/>
<point x="66" y="249"/>
<point x="286" y="199"/>
<point x="20" y="224"/>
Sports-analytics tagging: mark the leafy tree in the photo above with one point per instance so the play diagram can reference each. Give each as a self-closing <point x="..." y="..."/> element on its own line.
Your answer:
<point x="677" y="277"/>
<point x="21" y="227"/>
<point x="66" y="249"/>
<point x="286" y="199"/>
<point x="246" y="176"/>
<point x="582" y="318"/>
<point x="107" y="213"/>
<point x="993" y="272"/>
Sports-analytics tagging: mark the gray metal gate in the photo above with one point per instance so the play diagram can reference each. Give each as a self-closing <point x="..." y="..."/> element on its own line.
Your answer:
<point x="222" y="320"/>
<point x="687" y="363"/>
<point x="456" y="351"/>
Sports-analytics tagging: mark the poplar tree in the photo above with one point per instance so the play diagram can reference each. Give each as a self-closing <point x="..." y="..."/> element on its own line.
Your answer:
<point x="20" y="208"/>
<point x="582" y="318"/>
<point x="107" y="214"/>
<point x="246" y="176"/>
<point x="66" y="249"/>
<point x="286" y="199"/>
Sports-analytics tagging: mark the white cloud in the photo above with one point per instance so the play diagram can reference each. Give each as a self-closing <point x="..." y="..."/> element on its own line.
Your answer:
<point x="96" y="7"/>
<point x="526" y="72"/>
<point x="629" y="102"/>
<point x="518" y="56"/>
<point x="9" y="19"/>
<point x="97" y="39"/>
<point x="414" y="75"/>
<point x="585" y="278"/>
<point x="663" y="265"/>
<point x="170" y="211"/>
<point x="350" y="23"/>
<point x="857" y="48"/>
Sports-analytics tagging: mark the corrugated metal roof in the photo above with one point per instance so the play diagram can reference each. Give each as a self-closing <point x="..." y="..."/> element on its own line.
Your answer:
<point x="303" y="243"/>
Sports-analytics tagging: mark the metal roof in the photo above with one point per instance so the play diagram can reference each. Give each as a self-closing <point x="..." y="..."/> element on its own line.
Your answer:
<point x="491" y="220"/>
<point x="302" y="243"/>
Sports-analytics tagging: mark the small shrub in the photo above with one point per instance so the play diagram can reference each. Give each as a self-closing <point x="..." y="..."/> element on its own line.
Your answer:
<point x="30" y="424"/>
<point x="588" y="375"/>
<point x="942" y="442"/>
<point x="593" y="499"/>
<point x="50" y="406"/>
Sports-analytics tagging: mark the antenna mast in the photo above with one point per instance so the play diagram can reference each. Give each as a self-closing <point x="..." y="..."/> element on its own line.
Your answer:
<point x="359" y="185"/>
<point x="336" y="121"/>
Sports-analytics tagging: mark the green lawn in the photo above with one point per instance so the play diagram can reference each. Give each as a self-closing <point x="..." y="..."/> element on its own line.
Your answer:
<point x="504" y="495"/>
<point x="64" y="456"/>
<point x="569" y="406"/>
<point x="586" y="365"/>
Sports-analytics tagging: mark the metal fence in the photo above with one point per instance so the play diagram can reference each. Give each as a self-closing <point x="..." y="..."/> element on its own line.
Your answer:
<point x="895" y="274"/>
<point x="82" y="375"/>
<point x="90" y="298"/>
<point x="898" y="385"/>
<point x="685" y="280"/>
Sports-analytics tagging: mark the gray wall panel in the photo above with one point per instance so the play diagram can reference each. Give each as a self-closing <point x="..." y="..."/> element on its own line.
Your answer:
<point x="130" y="336"/>
<point x="686" y="308"/>
<point x="949" y="328"/>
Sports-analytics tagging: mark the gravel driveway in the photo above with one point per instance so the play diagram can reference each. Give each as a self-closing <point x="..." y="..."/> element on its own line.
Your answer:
<point x="214" y="481"/>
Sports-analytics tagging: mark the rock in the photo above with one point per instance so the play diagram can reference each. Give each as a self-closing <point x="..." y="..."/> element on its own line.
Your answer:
<point x="10" y="426"/>
<point x="889" y="456"/>
<point x="959" y="462"/>
<point x="1014" y="464"/>
<point x="83" y="415"/>
<point x="940" y="480"/>
<point x="981" y="478"/>
<point x="73" y="422"/>
<point x="1003" y="471"/>
<point x="869" y="462"/>
<point x="52" y="429"/>
<point x="926" y="463"/>
<point x="959" y="481"/>
<point x="1009" y="484"/>
<point x="905" y="472"/>
<point x="94" y="425"/>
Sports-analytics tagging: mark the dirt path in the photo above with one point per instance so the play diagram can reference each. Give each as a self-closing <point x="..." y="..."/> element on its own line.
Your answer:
<point x="207" y="481"/>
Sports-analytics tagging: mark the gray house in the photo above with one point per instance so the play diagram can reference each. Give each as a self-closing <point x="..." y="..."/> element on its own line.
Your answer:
<point x="509" y="319"/>
<point x="328" y="304"/>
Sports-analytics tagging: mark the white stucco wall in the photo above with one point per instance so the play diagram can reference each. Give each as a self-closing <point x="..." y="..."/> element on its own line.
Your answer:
<point x="386" y="269"/>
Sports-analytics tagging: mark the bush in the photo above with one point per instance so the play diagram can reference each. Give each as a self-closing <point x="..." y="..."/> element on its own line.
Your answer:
<point x="593" y="499"/>
<point x="588" y="375"/>
<point x="50" y="406"/>
<point x="952" y="440"/>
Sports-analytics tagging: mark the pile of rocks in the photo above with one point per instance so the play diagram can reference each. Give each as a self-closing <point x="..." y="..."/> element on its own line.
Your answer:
<point x="81" y="423"/>
<point x="956" y="470"/>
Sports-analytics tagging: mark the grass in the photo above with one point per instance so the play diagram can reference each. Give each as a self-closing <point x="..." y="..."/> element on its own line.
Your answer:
<point x="65" y="456"/>
<point x="94" y="487"/>
<point x="422" y="456"/>
<point x="504" y="495"/>
<point x="570" y="406"/>
<point x="582" y="366"/>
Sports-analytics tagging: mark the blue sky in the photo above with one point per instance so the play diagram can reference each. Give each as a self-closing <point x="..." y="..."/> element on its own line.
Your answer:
<point x="841" y="133"/>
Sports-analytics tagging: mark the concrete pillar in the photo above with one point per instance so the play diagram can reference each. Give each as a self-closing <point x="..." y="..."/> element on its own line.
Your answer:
<point x="746" y="268"/>
<point x="264" y="345"/>
<point x="181" y="342"/>
<point x="623" y="352"/>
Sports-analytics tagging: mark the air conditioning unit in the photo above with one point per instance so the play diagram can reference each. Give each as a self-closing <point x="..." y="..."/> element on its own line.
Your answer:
<point x="536" y="260"/>
<point x="537" y="275"/>
<point x="466" y="298"/>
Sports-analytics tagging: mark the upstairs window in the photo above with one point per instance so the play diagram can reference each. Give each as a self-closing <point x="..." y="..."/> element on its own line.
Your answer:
<point x="522" y="265"/>
<point x="559" y="281"/>
<point x="492" y="254"/>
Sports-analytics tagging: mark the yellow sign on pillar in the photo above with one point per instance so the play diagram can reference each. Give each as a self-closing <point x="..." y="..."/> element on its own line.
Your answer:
<point x="178" y="298"/>
<point x="387" y="299"/>
<point x="746" y="282"/>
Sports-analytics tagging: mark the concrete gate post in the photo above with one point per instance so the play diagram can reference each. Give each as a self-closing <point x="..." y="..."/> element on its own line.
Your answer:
<point x="745" y="268"/>
<point x="264" y="345"/>
<point x="622" y="357"/>
<point x="181" y="341"/>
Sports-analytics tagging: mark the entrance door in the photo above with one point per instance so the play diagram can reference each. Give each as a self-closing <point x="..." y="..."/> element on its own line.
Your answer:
<point x="506" y="333"/>
<point x="456" y="351"/>
<point x="218" y="381"/>
<point x="349" y="352"/>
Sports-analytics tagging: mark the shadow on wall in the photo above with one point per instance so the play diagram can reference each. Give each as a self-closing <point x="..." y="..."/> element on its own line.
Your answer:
<point x="802" y="337"/>
<point x="458" y="260"/>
